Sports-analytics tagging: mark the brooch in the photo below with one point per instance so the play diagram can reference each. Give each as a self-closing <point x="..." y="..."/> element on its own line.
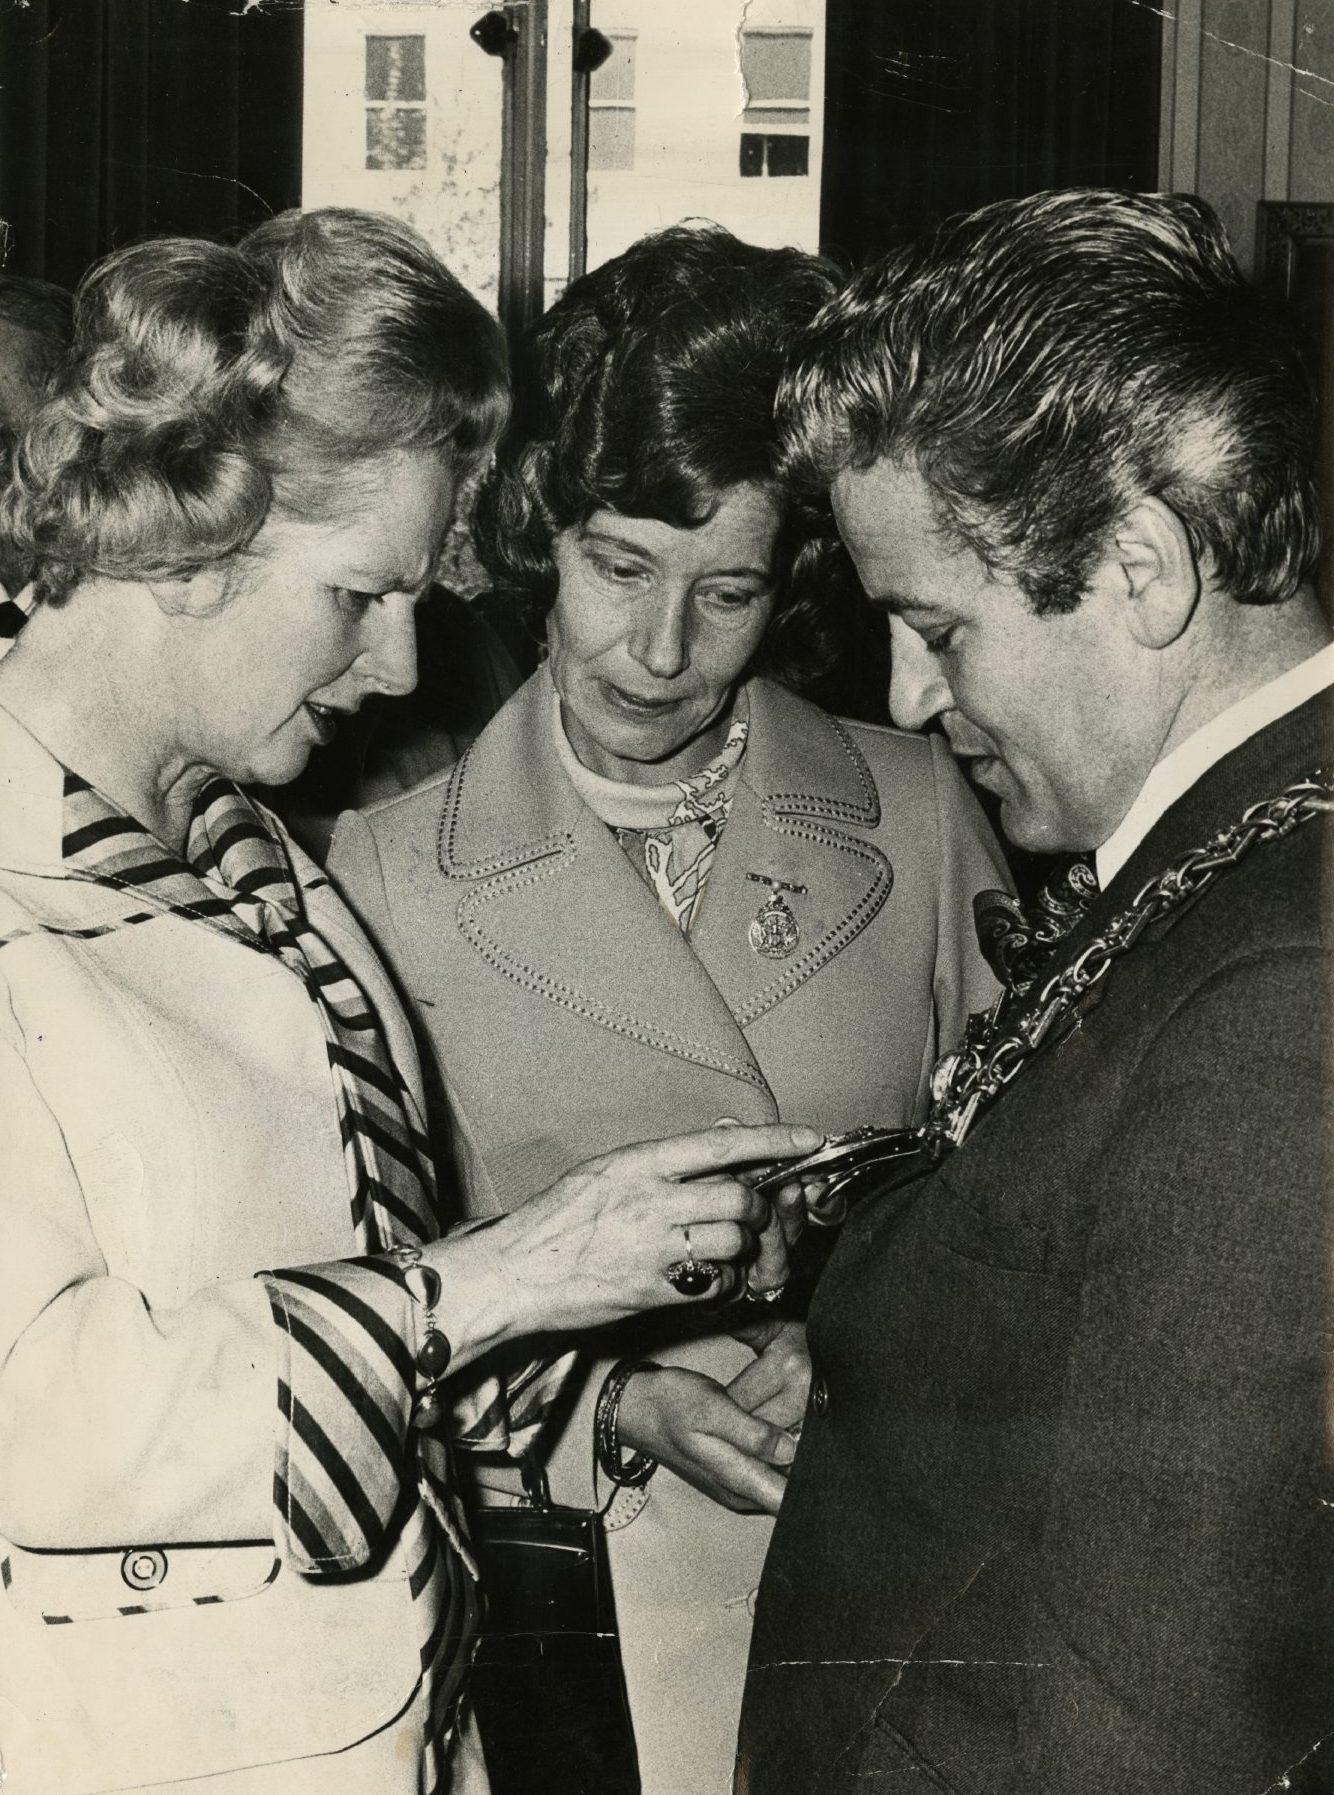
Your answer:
<point x="774" y="934"/>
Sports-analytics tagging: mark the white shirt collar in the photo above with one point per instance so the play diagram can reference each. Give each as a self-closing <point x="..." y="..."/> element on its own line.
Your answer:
<point x="1190" y="760"/>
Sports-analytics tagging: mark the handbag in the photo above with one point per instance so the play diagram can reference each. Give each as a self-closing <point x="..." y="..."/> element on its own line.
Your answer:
<point x="548" y="1687"/>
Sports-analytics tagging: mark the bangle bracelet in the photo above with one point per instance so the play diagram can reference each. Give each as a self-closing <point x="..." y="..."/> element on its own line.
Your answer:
<point x="637" y="1469"/>
<point x="422" y="1283"/>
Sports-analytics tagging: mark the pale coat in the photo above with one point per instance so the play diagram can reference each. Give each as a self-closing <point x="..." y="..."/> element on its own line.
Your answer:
<point x="566" y="1015"/>
<point x="167" y="1129"/>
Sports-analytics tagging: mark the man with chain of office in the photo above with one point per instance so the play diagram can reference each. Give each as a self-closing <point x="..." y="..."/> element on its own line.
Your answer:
<point x="1061" y="1521"/>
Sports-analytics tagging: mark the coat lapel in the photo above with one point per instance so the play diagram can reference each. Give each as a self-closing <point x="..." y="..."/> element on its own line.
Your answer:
<point x="554" y="905"/>
<point x="799" y="822"/>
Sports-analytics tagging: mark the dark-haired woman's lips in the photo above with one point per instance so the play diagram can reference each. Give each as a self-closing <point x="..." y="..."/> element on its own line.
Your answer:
<point x="636" y="706"/>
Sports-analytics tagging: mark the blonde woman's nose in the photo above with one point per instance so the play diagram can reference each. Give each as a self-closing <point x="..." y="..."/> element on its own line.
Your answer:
<point x="391" y="655"/>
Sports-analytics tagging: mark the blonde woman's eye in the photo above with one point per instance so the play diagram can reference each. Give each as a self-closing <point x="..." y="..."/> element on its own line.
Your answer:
<point x="356" y="600"/>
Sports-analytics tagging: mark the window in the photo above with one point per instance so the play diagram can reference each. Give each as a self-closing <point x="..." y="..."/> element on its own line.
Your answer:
<point x="395" y="102"/>
<point x="784" y="155"/>
<point x="776" y="72"/>
<point x="611" y="106"/>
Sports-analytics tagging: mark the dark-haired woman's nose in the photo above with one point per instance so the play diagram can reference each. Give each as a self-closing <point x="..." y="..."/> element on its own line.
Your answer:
<point x="661" y="640"/>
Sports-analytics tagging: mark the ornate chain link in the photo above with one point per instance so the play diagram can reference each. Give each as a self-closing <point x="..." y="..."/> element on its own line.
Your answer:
<point x="988" y="1060"/>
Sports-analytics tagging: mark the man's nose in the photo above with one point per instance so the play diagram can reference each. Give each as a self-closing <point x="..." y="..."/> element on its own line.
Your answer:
<point x="661" y="640"/>
<point x="391" y="655"/>
<point x="918" y="690"/>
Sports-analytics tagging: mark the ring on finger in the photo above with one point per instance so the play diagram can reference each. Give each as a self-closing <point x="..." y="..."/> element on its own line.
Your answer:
<point x="749" y="1294"/>
<point x="691" y="1276"/>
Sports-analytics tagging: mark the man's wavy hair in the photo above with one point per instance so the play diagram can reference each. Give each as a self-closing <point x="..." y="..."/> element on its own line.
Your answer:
<point x="1046" y="362"/>
<point x="208" y="383"/>
<point x="649" y="389"/>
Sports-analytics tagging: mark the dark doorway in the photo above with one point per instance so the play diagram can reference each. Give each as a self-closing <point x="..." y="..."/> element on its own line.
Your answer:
<point x="938" y="106"/>
<point x="125" y="118"/>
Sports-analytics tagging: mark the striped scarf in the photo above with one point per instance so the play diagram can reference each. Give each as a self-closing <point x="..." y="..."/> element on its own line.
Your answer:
<point x="352" y="1476"/>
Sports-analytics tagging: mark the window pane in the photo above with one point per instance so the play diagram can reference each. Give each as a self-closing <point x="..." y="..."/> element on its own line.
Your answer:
<point x="396" y="69"/>
<point x="788" y="155"/>
<point x="395" y="137"/>
<point x="615" y="80"/>
<point x="752" y="153"/>
<point x="776" y="65"/>
<point x="611" y="137"/>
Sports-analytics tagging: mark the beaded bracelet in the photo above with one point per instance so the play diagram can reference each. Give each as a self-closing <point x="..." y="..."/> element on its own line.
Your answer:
<point x="636" y="1470"/>
<point x="422" y="1283"/>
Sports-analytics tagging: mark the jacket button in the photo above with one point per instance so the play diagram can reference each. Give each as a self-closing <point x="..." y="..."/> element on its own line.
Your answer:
<point x="820" y="1396"/>
<point x="144" y="1567"/>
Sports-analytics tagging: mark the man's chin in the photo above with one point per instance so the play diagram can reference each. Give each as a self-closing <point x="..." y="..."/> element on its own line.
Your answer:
<point x="1034" y="831"/>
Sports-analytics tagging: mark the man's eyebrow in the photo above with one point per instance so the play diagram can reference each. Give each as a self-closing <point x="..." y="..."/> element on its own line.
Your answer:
<point x="897" y="604"/>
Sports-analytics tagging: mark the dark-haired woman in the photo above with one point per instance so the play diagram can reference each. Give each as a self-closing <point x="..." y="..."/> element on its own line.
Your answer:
<point x="229" y="1323"/>
<point x="661" y="890"/>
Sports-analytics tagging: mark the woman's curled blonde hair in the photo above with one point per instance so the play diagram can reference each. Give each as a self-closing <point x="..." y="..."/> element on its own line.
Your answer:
<point x="208" y="382"/>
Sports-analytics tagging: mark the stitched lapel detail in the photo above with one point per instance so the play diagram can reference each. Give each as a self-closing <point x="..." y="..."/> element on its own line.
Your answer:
<point x="553" y="904"/>
<point x="789" y="831"/>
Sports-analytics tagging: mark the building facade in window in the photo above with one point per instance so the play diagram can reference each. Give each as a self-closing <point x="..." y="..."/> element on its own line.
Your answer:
<point x="611" y="106"/>
<point x="395" y="101"/>
<point x="776" y="119"/>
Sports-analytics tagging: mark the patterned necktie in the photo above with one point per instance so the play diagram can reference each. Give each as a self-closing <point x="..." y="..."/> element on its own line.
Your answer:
<point x="238" y="878"/>
<point x="1017" y="938"/>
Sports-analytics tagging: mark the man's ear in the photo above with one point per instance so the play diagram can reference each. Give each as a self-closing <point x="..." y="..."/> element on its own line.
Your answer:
<point x="197" y="594"/>
<point x="1152" y="567"/>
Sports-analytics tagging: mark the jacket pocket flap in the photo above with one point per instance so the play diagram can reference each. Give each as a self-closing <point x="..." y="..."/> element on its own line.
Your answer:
<point x="63" y="1587"/>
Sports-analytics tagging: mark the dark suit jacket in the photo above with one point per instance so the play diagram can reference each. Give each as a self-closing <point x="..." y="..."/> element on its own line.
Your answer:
<point x="1062" y="1517"/>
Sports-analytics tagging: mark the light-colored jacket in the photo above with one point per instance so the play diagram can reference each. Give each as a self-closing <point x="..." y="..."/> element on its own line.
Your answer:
<point x="566" y="1015"/>
<point x="167" y="1128"/>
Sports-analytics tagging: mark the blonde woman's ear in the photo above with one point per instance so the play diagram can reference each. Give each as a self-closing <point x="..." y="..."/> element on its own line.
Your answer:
<point x="197" y="594"/>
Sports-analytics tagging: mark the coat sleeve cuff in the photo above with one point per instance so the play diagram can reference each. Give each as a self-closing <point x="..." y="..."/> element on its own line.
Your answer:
<point x="345" y="1390"/>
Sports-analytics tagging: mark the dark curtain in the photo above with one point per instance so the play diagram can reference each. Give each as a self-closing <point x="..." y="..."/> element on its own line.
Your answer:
<point x="120" y="119"/>
<point x="938" y="106"/>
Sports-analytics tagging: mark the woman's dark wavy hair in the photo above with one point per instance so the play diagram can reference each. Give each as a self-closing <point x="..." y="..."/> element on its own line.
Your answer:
<point x="207" y="382"/>
<point x="649" y="389"/>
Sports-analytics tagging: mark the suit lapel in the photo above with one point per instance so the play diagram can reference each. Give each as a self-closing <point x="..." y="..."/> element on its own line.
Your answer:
<point x="555" y="906"/>
<point x="789" y="829"/>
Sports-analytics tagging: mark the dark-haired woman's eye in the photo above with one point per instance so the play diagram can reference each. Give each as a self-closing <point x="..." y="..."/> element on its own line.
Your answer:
<point x="623" y="572"/>
<point x="733" y="601"/>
